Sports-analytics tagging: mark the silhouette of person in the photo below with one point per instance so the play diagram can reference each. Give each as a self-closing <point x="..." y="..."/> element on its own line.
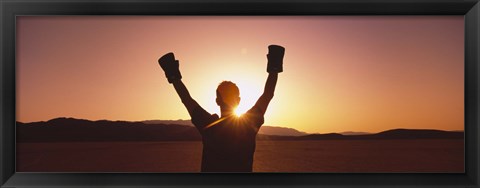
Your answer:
<point x="228" y="140"/>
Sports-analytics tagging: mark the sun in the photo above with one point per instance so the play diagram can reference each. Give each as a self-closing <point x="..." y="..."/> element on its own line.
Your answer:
<point x="249" y="94"/>
<point x="249" y="82"/>
<point x="238" y="113"/>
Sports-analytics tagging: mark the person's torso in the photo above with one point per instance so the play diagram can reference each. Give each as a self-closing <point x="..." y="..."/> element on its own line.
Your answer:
<point x="229" y="145"/>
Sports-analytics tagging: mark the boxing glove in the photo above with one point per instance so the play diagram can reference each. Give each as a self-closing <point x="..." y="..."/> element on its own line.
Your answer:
<point x="170" y="66"/>
<point x="275" y="58"/>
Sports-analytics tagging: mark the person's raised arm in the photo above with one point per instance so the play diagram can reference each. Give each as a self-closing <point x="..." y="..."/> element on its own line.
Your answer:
<point x="274" y="66"/>
<point x="172" y="72"/>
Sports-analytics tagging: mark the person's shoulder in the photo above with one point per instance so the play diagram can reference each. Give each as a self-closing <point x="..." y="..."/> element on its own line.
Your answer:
<point x="201" y="118"/>
<point x="254" y="110"/>
<point x="215" y="116"/>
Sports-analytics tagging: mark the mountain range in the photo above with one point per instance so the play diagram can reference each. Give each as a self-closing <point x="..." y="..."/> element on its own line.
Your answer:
<point x="265" y="129"/>
<point x="71" y="129"/>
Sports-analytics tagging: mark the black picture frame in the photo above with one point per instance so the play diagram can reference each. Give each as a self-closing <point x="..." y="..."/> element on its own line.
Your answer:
<point x="9" y="9"/>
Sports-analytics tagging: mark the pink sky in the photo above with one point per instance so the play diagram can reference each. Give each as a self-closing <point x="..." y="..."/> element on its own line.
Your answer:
<point x="341" y="73"/>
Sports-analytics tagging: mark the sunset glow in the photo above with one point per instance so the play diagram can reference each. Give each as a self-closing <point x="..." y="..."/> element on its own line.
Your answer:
<point x="341" y="73"/>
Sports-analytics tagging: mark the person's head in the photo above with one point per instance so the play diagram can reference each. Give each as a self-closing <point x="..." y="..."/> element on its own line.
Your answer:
<point x="228" y="95"/>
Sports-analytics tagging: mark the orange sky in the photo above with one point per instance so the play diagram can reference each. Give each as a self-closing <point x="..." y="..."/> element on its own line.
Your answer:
<point x="341" y="73"/>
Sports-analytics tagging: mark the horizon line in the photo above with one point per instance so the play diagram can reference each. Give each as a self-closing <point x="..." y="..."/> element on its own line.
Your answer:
<point x="307" y="133"/>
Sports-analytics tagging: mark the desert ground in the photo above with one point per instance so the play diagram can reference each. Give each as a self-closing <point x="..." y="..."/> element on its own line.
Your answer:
<point x="422" y="155"/>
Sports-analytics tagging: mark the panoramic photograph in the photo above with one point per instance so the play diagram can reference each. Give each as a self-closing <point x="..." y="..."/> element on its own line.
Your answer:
<point x="222" y="94"/>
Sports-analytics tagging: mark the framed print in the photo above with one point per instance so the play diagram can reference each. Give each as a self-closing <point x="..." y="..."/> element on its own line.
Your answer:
<point x="240" y="93"/>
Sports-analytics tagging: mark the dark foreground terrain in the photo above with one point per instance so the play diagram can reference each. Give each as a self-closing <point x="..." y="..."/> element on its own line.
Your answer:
<point x="390" y="155"/>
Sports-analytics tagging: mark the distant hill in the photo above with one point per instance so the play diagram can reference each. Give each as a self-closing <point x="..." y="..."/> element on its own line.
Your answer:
<point x="72" y="130"/>
<point x="282" y="131"/>
<point x="423" y="133"/>
<point x="175" y="122"/>
<point x="353" y="133"/>
<point x="69" y="129"/>
<point x="389" y="134"/>
<point x="265" y="129"/>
